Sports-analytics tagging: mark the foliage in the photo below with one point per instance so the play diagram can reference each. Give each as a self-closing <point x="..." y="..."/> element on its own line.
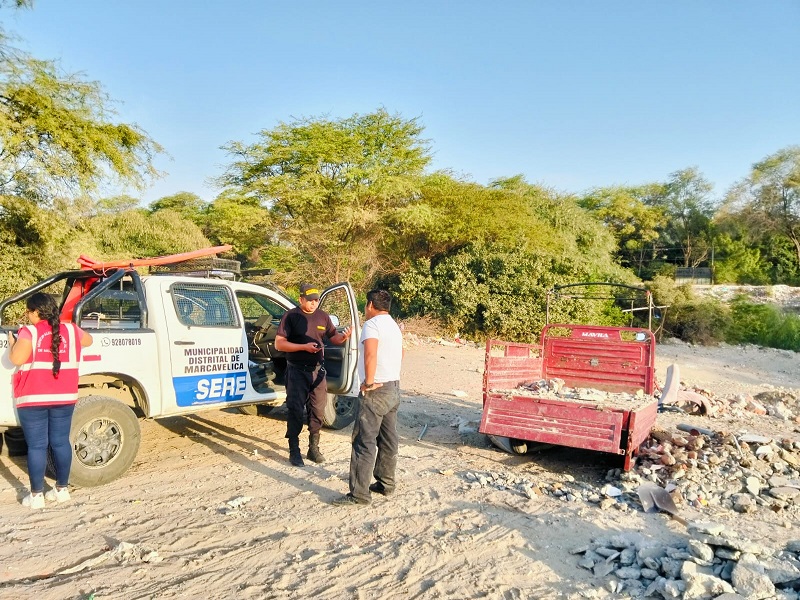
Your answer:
<point x="768" y="200"/>
<point x="57" y="137"/>
<point x="241" y="221"/>
<point x="684" y="316"/>
<point x="685" y="199"/>
<point x="331" y="186"/>
<point x="764" y="325"/>
<point x="188" y="205"/>
<point x="629" y="215"/>
<point x="488" y="290"/>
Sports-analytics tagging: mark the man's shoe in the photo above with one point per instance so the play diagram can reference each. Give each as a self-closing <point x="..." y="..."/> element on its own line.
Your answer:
<point x="377" y="488"/>
<point x="296" y="458"/>
<point x="57" y="494"/>
<point x="34" y="501"/>
<point x="349" y="500"/>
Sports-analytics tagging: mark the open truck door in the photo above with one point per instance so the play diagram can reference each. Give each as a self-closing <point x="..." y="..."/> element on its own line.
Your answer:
<point x="341" y="362"/>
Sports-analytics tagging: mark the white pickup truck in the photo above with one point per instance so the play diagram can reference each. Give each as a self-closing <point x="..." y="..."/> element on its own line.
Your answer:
<point x="175" y="342"/>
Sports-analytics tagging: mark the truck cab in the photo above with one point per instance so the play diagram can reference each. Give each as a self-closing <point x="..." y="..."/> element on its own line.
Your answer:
<point x="173" y="342"/>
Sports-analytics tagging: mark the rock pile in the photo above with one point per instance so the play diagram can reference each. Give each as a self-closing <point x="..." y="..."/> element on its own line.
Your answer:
<point x="780" y="403"/>
<point x="713" y="563"/>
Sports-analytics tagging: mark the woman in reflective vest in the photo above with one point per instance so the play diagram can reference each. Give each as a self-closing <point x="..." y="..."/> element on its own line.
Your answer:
<point x="47" y="353"/>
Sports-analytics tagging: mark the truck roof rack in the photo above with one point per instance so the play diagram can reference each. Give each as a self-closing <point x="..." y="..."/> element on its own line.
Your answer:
<point x="207" y="266"/>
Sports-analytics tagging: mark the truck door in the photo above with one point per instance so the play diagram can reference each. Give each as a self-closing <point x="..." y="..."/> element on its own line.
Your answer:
<point x="208" y="347"/>
<point x="341" y="362"/>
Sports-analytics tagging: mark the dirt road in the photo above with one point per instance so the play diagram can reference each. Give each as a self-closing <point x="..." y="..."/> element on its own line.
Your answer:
<point x="212" y="508"/>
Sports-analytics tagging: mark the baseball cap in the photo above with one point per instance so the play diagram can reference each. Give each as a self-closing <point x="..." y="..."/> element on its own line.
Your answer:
<point x="310" y="292"/>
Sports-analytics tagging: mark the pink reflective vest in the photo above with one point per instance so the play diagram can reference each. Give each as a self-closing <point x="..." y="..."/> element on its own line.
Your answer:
<point x="34" y="384"/>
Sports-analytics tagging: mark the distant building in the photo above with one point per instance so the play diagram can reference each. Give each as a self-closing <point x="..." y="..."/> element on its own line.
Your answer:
<point x="694" y="275"/>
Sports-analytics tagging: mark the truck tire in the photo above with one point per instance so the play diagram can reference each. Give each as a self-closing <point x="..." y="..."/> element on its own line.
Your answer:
<point x="255" y="409"/>
<point x="340" y="411"/>
<point x="15" y="441"/>
<point x="105" y="438"/>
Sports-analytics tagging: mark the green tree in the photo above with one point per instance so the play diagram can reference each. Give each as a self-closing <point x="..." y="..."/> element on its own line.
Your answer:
<point x="688" y="206"/>
<point x="240" y="220"/>
<point x="331" y="186"/>
<point x="768" y="200"/>
<point x="190" y="206"/>
<point x="56" y="135"/>
<point x="634" y="223"/>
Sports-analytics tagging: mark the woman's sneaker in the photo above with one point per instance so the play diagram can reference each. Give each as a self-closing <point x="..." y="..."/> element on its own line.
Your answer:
<point x="57" y="495"/>
<point x="34" y="501"/>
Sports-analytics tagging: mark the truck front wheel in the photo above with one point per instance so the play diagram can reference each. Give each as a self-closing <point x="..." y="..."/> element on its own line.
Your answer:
<point x="340" y="411"/>
<point x="105" y="438"/>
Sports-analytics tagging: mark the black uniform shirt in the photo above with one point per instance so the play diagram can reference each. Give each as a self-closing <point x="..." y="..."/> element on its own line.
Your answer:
<point x="300" y="328"/>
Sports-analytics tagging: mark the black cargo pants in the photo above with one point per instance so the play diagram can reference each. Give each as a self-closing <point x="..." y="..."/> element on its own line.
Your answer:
<point x="306" y="391"/>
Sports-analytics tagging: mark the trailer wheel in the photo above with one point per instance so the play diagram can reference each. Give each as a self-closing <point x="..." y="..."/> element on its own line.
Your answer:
<point x="105" y="438"/>
<point x="340" y="411"/>
<point x="510" y="445"/>
<point x="255" y="409"/>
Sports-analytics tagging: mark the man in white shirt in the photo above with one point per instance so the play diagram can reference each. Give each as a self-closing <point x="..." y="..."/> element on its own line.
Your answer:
<point x="375" y="440"/>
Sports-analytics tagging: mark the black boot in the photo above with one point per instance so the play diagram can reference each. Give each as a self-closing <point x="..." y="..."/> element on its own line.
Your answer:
<point x="313" y="449"/>
<point x="294" y="453"/>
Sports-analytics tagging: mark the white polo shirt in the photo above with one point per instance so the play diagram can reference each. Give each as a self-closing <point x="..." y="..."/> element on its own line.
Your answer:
<point x="390" y="348"/>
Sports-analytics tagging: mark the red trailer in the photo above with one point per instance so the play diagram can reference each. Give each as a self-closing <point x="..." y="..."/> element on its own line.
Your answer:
<point x="584" y="359"/>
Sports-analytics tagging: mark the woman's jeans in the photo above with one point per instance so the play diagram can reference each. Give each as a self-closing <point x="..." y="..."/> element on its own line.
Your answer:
<point x="43" y="426"/>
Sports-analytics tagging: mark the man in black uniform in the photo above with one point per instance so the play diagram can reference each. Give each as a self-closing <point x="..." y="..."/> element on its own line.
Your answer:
<point x="300" y="335"/>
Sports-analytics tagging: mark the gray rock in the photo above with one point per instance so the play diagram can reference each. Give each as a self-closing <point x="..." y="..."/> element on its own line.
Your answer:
<point x="602" y="569"/>
<point x="674" y="588"/>
<point x="628" y="573"/>
<point x="649" y="573"/>
<point x="793" y="546"/>
<point x="707" y="527"/>
<point x="651" y="563"/>
<point x="780" y="570"/>
<point x="730" y="597"/>
<point x="654" y="551"/>
<point x="727" y="554"/>
<point x="785" y="493"/>
<point x="671" y="568"/>
<point x="750" y="580"/>
<point x="607" y="552"/>
<point x="701" y="550"/>
<point x="702" y="585"/>
<point x="627" y="557"/>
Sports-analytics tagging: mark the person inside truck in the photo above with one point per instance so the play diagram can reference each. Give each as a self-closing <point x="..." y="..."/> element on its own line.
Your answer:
<point x="301" y="335"/>
<point x="45" y="387"/>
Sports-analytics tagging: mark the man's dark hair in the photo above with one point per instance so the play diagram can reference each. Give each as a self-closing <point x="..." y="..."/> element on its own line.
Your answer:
<point x="381" y="299"/>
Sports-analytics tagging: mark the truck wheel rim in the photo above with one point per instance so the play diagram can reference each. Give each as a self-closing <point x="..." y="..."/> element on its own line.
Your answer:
<point x="344" y="405"/>
<point x="98" y="442"/>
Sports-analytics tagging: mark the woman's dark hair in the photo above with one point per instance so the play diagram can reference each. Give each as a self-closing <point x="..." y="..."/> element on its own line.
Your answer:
<point x="48" y="311"/>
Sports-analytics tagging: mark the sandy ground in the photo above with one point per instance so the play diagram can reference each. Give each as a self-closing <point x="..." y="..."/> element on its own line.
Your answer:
<point x="212" y="509"/>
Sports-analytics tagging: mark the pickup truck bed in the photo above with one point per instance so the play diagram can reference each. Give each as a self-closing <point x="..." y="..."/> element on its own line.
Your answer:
<point x="584" y="362"/>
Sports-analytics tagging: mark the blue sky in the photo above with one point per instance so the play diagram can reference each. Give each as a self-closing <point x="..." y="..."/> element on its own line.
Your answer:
<point x="570" y="94"/>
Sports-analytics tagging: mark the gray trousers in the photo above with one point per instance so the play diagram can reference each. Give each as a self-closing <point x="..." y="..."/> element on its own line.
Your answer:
<point x="375" y="440"/>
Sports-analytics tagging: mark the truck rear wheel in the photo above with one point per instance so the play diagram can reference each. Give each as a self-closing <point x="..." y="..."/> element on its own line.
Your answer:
<point x="340" y="411"/>
<point x="105" y="438"/>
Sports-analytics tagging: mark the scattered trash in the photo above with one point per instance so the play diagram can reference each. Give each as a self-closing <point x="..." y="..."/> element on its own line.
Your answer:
<point x="421" y="433"/>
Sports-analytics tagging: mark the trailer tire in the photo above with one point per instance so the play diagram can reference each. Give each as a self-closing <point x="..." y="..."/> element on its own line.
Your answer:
<point x="340" y="411"/>
<point x="510" y="445"/>
<point x="255" y="409"/>
<point x="105" y="438"/>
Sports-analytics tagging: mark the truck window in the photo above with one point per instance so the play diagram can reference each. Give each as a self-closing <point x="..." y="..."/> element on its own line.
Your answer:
<point x="255" y="306"/>
<point x="116" y="308"/>
<point x="203" y="305"/>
